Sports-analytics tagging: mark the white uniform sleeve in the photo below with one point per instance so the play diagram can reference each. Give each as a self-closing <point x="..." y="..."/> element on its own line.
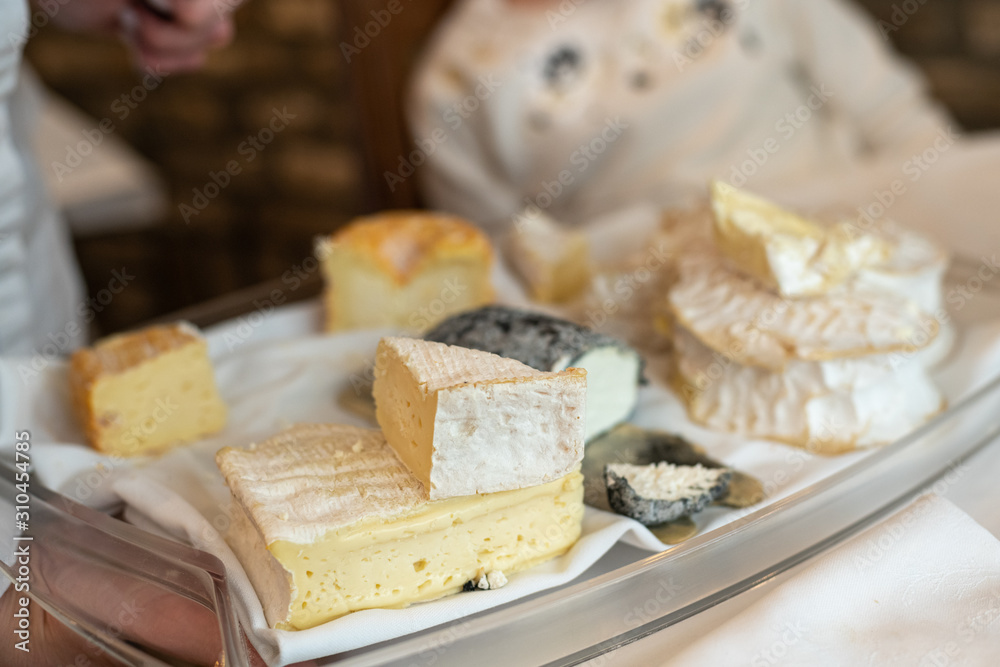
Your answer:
<point x="842" y="49"/>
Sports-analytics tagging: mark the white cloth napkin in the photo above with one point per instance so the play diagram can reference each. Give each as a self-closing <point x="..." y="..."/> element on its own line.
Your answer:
<point x="920" y="588"/>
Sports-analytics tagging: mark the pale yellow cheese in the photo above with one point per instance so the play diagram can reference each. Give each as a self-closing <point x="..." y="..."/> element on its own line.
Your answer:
<point x="403" y="269"/>
<point x="143" y="391"/>
<point x="553" y="262"/>
<point x="466" y="421"/>
<point x="786" y="252"/>
<point x="331" y="522"/>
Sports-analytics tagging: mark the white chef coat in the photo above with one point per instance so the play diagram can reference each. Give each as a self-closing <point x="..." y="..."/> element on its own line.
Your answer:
<point x="587" y="106"/>
<point x="41" y="292"/>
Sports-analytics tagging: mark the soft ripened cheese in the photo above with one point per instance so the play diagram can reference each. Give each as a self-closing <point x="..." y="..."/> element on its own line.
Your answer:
<point x="404" y="269"/>
<point x="466" y="421"/>
<point x="142" y="391"/>
<point x="546" y="343"/>
<point x="733" y="314"/>
<point x="826" y="406"/>
<point x="329" y="521"/>
<point x="666" y="481"/>
<point x="613" y="375"/>
<point x="913" y="269"/>
<point x="554" y="262"/>
<point x="784" y="251"/>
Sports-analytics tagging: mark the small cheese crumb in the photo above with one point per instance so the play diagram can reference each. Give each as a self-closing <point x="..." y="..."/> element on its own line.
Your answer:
<point x="496" y="579"/>
<point x="486" y="582"/>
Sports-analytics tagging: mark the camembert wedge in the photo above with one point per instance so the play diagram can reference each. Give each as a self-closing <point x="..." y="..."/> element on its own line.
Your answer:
<point x="465" y="421"/>
<point x="142" y="391"/>
<point x="786" y="252"/>
<point x="329" y="521"/>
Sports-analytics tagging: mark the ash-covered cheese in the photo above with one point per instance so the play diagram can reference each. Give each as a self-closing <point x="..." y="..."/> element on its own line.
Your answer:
<point x="614" y="370"/>
<point x="661" y="492"/>
<point x="666" y="481"/>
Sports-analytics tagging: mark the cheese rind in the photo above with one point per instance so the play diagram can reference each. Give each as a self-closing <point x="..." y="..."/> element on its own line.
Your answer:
<point x="143" y="391"/>
<point x="466" y="421"/>
<point x="404" y="269"/>
<point x="614" y="370"/>
<point x="828" y="407"/>
<point x="311" y="562"/>
<point x="736" y="316"/>
<point x="786" y="252"/>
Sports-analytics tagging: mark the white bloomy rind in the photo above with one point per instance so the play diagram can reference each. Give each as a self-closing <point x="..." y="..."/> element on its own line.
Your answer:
<point x="467" y="422"/>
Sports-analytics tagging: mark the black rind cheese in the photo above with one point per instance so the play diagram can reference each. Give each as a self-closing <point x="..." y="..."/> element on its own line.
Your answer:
<point x="623" y="499"/>
<point x="535" y="339"/>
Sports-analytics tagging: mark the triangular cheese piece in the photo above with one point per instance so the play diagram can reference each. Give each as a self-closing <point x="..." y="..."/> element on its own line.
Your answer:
<point x="465" y="421"/>
<point x="788" y="253"/>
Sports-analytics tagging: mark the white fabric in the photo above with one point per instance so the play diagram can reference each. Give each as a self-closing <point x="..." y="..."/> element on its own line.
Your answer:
<point x="663" y="106"/>
<point x="40" y="287"/>
<point x="920" y="588"/>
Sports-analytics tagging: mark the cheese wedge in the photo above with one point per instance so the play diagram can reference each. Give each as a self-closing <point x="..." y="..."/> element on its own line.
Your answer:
<point x="465" y="421"/>
<point x="403" y="269"/>
<point x="546" y="343"/>
<point x="828" y="407"/>
<point x="733" y="314"/>
<point x="329" y="521"/>
<point x="786" y="252"/>
<point x="143" y="391"/>
<point x="552" y="261"/>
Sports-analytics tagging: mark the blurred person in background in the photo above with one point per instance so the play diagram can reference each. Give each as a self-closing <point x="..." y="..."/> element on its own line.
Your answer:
<point x="40" y="285"/>
<point x="584" y="107"/>
<point x="41" y="289"/>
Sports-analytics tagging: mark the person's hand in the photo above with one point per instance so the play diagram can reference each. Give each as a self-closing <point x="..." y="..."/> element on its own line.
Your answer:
<point x="179" y="43"/>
